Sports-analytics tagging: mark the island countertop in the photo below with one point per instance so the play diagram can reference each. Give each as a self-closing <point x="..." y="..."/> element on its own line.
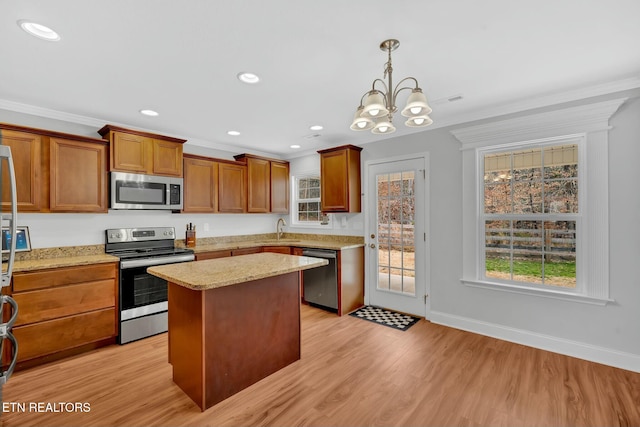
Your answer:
<point x="216" y="273"/>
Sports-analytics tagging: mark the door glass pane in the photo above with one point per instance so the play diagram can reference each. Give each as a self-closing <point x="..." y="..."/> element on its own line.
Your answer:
<point x="396" y="240"/>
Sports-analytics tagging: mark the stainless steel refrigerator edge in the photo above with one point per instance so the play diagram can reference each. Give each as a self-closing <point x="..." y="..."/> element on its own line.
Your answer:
<point x="6" y="160"/>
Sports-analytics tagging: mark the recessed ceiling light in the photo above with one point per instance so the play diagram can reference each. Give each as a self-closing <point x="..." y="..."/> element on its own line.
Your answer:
<point x="249" y="78"/>
<point x="295" y="146"/>
<point x="316" y="127"/>
<point x="149" y="113"/>
<point x="233" y="133"/>
<point x="39" y="30"/>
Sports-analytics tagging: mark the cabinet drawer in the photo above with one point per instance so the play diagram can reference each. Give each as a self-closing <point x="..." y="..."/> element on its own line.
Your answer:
<point x="46" y="304"/>
<point x="277" y="249"/>
<point x="41" y="339"/>
<point x="62" y="276"/>
<point x="212" y="255"/>
<point x="246" y="251"/>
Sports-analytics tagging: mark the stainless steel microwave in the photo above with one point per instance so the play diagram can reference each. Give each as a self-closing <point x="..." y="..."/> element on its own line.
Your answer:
<point x="138" y="191"/>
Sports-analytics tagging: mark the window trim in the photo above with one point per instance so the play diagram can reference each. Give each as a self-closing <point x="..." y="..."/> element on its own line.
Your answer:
<point x="591" y="121"/>
<point x="294" y="222"/>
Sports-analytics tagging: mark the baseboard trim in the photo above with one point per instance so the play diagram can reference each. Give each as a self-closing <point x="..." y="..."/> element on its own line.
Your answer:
<point x="606" y="356"/>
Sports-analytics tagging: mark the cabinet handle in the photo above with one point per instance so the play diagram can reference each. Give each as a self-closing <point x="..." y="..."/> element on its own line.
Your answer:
<point x="372" y="246"/>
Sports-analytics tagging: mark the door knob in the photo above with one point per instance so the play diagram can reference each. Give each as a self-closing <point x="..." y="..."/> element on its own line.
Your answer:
<point x="372" y="246"/>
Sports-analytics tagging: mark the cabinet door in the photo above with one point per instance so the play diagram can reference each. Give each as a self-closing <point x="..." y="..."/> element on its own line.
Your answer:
<point x="78" y="176"/>
<point x="26" y="153"/>
<point x="279" y="187"/>
<point x="200" y="185"/>
<point x="340" y="179"/>
<point x="167" y="158"/>
<point x="334" y="182"/>
<point x="232" y="188"/>
<point x="129" y="152"/>
<point x="258" y="185"/>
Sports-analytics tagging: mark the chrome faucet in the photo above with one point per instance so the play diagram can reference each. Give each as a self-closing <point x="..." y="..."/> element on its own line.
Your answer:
<point x="279" y="226"/>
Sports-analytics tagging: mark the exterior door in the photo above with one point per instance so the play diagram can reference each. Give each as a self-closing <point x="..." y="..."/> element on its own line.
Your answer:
<point x="396" y="235"/>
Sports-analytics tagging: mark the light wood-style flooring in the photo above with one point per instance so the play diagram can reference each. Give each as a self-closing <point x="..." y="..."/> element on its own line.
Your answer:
<point x="352" y="373"/>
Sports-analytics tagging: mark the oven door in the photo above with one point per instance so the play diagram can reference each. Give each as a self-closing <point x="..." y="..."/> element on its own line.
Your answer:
<point x="141" y="293"/>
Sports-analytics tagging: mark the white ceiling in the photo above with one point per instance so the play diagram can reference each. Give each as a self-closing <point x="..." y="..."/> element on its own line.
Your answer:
<point x="316" y="59"/>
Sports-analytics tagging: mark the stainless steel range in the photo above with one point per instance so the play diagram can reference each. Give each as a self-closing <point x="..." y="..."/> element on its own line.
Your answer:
<point x="143" y="297"/>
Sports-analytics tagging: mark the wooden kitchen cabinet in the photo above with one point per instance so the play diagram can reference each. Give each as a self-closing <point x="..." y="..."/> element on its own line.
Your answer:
<point x="200" y="185"/>
<point x="56" y="172"/>
<point x="279" y="187"/>
<point x="258" y="184"/>
<point x="26" y="150"/>
<point x="232" y="187"/>
<point x="64" y="311"/>
<point x="78" y="176"/>
<point x="142" y="152"/>
<point x="340" y="179"/>
<point x="267" y="184"/>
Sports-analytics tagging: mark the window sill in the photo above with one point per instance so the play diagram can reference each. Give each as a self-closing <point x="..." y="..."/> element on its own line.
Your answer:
<point x="546" y="293"/>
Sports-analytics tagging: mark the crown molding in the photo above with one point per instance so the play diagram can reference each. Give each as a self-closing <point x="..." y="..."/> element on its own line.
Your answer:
<point x="582" y="119"/>
<point x="98" y="123"/>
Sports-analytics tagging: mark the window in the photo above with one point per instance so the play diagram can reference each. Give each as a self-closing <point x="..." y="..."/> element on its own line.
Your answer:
<point x="306" y="200"/>
<point x="530" y="213"/>
<point x="528" y="226"/>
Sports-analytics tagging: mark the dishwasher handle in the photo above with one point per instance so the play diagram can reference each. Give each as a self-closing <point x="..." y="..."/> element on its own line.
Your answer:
<point x="320" y="253"/>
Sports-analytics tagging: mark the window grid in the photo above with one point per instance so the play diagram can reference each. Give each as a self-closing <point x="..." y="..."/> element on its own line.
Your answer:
<point x="543" y="253"/>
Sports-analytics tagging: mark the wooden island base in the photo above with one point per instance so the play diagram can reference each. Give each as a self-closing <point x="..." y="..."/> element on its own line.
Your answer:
<point x="223" y="340"/>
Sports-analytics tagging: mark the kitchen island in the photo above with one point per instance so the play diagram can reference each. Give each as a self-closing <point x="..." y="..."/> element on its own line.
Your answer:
<point x="232" y="321"/>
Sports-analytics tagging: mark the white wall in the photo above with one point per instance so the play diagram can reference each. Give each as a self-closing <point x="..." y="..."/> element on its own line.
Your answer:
<point x="340" y="224"/>
<point x="609" y="334"/>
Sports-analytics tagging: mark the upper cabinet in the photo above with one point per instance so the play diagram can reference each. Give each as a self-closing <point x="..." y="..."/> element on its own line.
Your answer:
<point x="232" y="187"/>
<point x="26" y="150"/>
<point x="78" y="176"/>
<point x="267" y="184"/>
<point x="142" y="152"/>
<point x="55" y="172"/>
<point x="340" y="179"/>
<point x="200" y="184"/>
<point x="279" y="186"/>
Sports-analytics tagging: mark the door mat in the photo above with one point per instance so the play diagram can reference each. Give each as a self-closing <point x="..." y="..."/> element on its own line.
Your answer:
<point x="385" y="317"/>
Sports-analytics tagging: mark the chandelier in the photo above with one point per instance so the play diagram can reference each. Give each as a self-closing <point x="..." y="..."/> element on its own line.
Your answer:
<point x="376" y="112"/>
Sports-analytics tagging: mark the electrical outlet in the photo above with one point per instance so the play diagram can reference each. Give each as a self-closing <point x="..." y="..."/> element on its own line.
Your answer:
<point x="205" y="226"/>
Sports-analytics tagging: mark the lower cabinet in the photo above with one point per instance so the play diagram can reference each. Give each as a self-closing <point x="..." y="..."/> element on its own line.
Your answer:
<point x="64" y="311"/>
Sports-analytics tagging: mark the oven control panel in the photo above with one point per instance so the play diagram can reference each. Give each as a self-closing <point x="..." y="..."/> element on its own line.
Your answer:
<point x="121" y="235"/>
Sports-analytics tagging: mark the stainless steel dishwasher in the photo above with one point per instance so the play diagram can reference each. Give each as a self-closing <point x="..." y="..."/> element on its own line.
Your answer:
<point x="321" y="283"/>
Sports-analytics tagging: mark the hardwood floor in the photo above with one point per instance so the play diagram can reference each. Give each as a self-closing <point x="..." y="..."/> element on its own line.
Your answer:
<point x="352" y="373"/>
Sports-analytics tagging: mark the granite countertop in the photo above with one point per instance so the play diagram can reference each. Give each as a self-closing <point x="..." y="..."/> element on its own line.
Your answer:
<point x="67" y="261"/>
<point x="306" y="243"/>
<point x="216" y="273"/>
<point x="69" y="256"/>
